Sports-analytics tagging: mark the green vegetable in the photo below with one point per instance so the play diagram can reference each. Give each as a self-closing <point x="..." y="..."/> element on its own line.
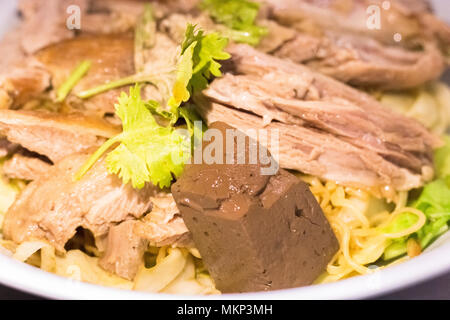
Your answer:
<point x="442" y="159"/>
<point x="147" y="152"/>
<point x="434" y="202"/>
<point x="71" y="82"/>
<point x="197" y="64"/>
<point x="144" y="38"/>
<point x="239" y="16"/>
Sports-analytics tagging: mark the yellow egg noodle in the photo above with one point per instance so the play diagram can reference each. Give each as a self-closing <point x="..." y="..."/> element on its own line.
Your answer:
<point x="357" y="217"/>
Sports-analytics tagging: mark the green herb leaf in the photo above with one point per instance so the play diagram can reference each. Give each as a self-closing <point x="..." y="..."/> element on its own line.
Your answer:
<point x="239" y="16"/>
<point x="401" y="222"/>
<point x="434" y="202"/>
<point x="72" y="81"/>
<point x="147" y="152"/>
<point x="197" y="64"/>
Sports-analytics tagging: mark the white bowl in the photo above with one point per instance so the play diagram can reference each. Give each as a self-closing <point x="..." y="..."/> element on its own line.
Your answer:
<point x="430" y="264"/>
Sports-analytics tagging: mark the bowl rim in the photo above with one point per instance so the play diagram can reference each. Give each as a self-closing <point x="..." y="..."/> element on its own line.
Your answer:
<point x="429" y="264"/>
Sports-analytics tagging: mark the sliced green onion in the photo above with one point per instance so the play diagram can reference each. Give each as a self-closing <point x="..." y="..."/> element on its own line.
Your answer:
<point x="131" y="80"/>
<point x="71" y="82"/>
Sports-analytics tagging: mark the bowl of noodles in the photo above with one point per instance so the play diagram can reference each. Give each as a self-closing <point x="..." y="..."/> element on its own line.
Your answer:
<point x="389" y="238"/>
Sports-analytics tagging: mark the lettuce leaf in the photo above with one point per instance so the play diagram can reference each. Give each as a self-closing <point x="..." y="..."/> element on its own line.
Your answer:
<point x="77" y="74"/>
<point x="144" y="37"/>
<point x="434" y="202"/>
<point x="442" y="159"/>
<point x="401" y="222"/>
<point x="239" y="18"/>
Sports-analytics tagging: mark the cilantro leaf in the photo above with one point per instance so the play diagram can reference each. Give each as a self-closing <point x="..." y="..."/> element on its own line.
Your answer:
<point x="239" y="16"/>
<point x="180" y="92"/>
<point x="144" y="37"/>
<point x="442" y="159"/>
<point x="197" y="64"/>
<point x="76" y="75"/>
<point x="147" y="152"/>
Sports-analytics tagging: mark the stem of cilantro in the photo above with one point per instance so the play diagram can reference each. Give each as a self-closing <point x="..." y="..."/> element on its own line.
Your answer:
<point x="131" y="80"/>
<point x="111" y="85"/>
<point x="76" y="76"/>
<point x="88" y="164"/>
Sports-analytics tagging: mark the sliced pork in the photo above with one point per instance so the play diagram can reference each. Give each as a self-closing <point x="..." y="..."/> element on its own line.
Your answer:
<point x="334" y="38"/>
<point x="111" y="57"/>
<point x="54" y="135"/>
<point x="126" y="242"/>
<point x="54" y="206"/>
<point x="401" y="17"/>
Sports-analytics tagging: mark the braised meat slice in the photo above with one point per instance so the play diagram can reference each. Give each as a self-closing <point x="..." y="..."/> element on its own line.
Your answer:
<point x="126" y="242"/>
<point x="54" y="135"/>
<point x="111" y="57"/>
<point x="54" y="206"/>
<point x="25" y="167"/>
<point x="320" y="118"/>
<point x="124" y="250"/>
<point x="333" y="37"/>
<point x="301" y="83"/>
<point x="20" y="84"/>
<point x="163" y="226"/>
<point x="364" y="61"/>
<point x="403" y="17"/>
<point x="271" y="99"/>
